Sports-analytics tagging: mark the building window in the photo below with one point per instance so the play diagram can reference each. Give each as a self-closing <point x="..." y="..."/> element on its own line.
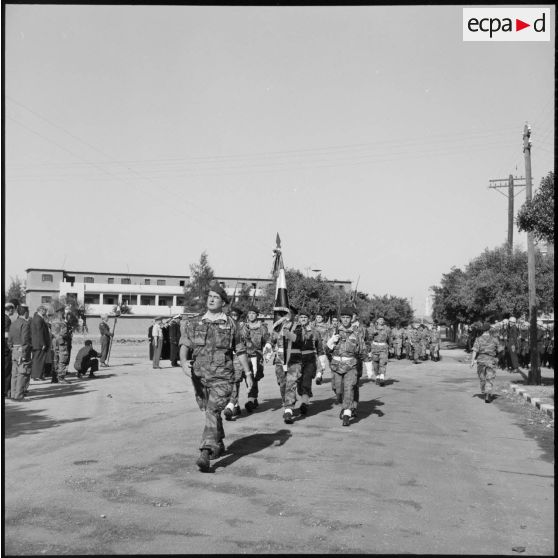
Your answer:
<point x="147" y="282"/>
<point x="125" y="281"/>
<point x="181" y="283"/>
<point x="165" y="301"/>
<point x="91" y="299"/>
<point x="89" y="280"/>
<point x="180" y="301"/>
<point x="161" y="282"/>
<point x="46" y="299"/>
<point x="110" y="280"/>
<point x="147" y="300"/>
<point x="110" y="299"/>
<point x="47" y="278"/>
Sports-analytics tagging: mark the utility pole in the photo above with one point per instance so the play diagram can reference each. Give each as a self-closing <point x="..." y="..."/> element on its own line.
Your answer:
<point x="509" y="183"/>
<point x="534" y="377"/>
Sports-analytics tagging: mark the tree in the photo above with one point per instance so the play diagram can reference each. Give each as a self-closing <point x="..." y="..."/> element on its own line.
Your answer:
<point x="243" y="299"/>
<point x="492" y="285"/>
<point x="16" y="290"/>
<point x="537" y="216"/>
<point x="195" y="293"/>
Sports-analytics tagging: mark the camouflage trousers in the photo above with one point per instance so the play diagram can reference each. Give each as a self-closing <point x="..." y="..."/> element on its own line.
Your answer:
<point x="379" y="360"/>
<point x="486" y="373"/>
<point x="257" y="375"/>
<point x="287" y="382"/>
<point x="344" y="386"/>
<point x="212" y="398"/>
<point x="61" y="360"/>
<point x="434" y="351"/>
<point x="21" y="372"/>
<point x="304" y="383"/>
<point x="356" y="388"/>
<point x="238" y="377"/>
<point x="397" y="346"/>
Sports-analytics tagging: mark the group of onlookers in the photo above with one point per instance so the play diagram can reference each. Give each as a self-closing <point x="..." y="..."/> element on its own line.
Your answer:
<point x="38" y="348"/>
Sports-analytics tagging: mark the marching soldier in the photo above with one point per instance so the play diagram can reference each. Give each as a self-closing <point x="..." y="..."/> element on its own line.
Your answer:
<point x="415" y="343"/>
<point x="347" y="346"/>
<point x="434" y="343"/>
<point x="485" y="351"/>
<point x="62" y="343"/>
<point x="362" y="332"/>
<point x="256" y="338"/>
<point x="397" y="334"/>
<point x="408" y="342"/>
<point x="288" y="361"/>
<point x="233" y="408"/>
<point x="380" y="339"/>
<point x="310" y="349"/>
<point x="206" y="356"/>
<point x="322" y="328"/>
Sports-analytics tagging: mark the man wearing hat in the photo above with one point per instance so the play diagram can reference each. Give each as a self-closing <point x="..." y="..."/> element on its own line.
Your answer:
<point x="322" y="328"/>
<point x="104" y="330"/>
<point x="256" y="338"/>
<point x="288" y="361"/>
<point x="9" y="311"/>
<point x="311" y="348"/>
<point x="485" y="353"/>
<point x="157" y="341"/>
<point x="62" y="343"/>
<point x="233" y="408"/>
<point x="19" y="342"/>
<point x="347" y="346"/>
<point x="207" y="345"/>
<point x="380" y="339"/>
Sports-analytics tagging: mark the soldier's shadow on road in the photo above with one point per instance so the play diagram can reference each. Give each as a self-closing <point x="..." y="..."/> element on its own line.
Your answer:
<point x="251" y="444"/>
<point x="367" y="408"/>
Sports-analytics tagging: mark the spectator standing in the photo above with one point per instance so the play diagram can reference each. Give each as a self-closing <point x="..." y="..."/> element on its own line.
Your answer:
<point x="174" y="338"/>
<point x="157" y="335"/>
<point x="104" y="330"/>
<point x="9" y="311"/>
<point x="40" y="343"/>
<point x="19" y="341"/>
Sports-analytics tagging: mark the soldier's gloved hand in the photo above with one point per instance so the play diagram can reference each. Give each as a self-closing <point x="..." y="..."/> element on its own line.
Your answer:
<point x="332" y="341"/>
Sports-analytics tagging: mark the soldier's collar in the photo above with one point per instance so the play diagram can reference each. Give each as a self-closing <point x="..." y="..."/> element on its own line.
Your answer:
<point x="208" y="316"/>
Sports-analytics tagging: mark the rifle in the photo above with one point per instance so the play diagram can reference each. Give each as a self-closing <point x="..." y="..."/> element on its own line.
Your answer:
<point x="112" y="337"/>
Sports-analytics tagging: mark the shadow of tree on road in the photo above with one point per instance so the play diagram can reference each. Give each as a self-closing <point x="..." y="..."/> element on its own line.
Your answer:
<point x="251" y="444"/>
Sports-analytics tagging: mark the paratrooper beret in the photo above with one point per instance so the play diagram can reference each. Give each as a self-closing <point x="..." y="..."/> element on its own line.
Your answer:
<point x="216" y="288"/>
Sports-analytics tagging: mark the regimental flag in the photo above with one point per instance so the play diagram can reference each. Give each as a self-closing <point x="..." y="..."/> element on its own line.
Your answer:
<point x="281" y="306"/>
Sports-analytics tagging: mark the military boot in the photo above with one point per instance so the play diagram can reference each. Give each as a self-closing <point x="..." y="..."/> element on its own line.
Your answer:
<point x="203" y="461"/>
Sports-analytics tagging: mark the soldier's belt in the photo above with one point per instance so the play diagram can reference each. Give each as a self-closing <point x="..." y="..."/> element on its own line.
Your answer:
<point x="293" y="351"/>
<point x="378" y="343"/>
<point x="15" y="346"/>
<point x="343" y="359"/>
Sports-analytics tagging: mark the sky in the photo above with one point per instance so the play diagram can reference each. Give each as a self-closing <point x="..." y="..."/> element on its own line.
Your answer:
<point x="137" y="137"/>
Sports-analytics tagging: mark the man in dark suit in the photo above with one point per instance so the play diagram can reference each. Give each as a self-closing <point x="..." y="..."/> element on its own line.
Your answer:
<point x="174" y="338"/>
<point x="40" y="343"/>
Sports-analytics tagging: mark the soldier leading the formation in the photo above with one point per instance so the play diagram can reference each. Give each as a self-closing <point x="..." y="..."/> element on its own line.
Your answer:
<point x="380" y="339"/>
<point x="485" y="354"/>
<point x="206" y="356"/>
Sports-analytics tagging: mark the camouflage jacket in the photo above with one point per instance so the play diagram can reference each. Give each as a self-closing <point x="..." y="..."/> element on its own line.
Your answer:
<point x="397" y="334"/>
<point x="104" y="329"/>
<point x="486" y="347"/>
<point x="61" y="332"/>
<point x="379" y="334"/>
<point x="255" y="336"/>
<point x="210" y="342"/>
<point x="351" y="344"/>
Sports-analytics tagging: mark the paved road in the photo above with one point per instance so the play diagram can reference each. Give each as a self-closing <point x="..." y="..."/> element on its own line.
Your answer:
<point x="106" y="466"/>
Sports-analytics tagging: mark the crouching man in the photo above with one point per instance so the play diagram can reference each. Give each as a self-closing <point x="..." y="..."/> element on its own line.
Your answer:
<point x="87" y="360"/>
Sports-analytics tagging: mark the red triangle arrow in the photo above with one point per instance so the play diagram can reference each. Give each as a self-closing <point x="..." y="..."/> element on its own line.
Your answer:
<point x="519" y="25"/>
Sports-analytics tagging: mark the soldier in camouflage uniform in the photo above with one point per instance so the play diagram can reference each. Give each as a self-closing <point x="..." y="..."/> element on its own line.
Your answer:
<point x="434" y="334"/>
<point x="322" y="328"/>
<point x="407" y="340"/>
<point x="485" y="353"/>
<point x="397" y="334"/>
<point x="523" y="344"/>
<point x="207" y="345"/>
<point x="19" y="342"/>
<point x="233" y="408"/>
<point x="380" y="339"/>
<point x="311" y="348"/>
<point x="256" y="338"/>
<point x="347" y="346"/>
<point x="362" y="332"/>
<point x="415" y="343"/>
<point x="288" y="362"/>
<point x="61" y="343"/>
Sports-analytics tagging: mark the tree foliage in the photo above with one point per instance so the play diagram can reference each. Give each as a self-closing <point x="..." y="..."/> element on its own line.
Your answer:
<point x="316" y="294"/>
<point x="16" y="290"/>
<point x="491" y="285"/>
<point x="537" y="215"/>
<point x="195" y="293"/>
